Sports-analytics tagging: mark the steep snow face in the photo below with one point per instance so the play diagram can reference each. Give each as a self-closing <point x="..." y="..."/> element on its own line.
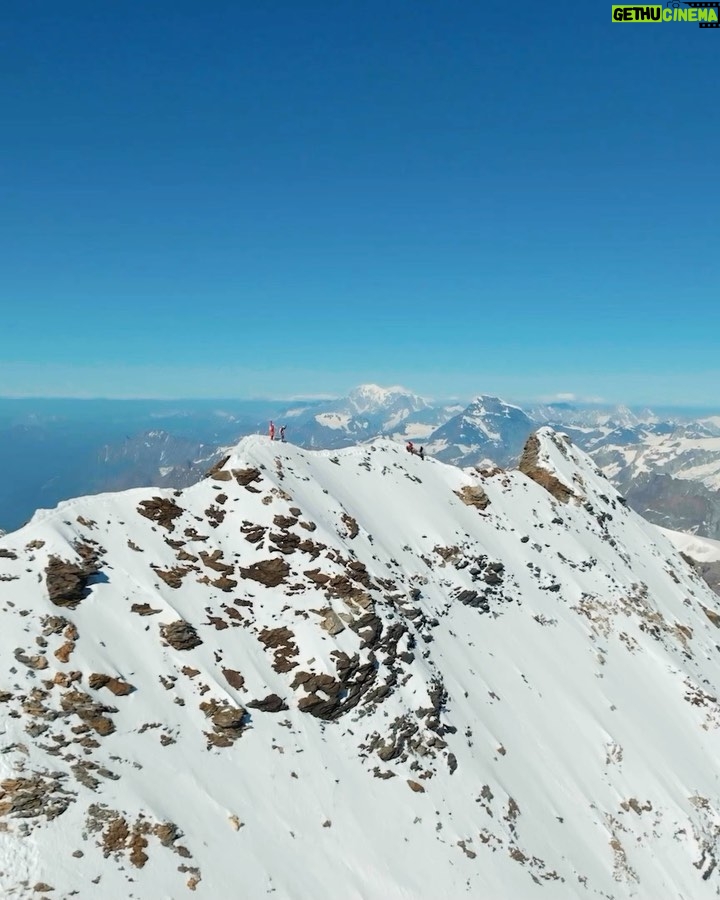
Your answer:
<point x="357" y="673"/>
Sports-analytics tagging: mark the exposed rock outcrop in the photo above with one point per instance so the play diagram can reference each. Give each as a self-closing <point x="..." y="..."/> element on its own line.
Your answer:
<point x="162" y="510"/>
<point x="272" y="704"/>
<point x="218" y="472"/>
<point x="473" y="495"/>
<point x="181" y="635"/>
<point x="67" y="582"/>
<point x="270" y="572"/>
<point x="529" y="466"/>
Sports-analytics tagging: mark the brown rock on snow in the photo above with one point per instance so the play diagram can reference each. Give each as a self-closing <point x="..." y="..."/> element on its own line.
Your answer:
<point x="316" y="576"/>
<point x="181" y="635"/>
<point x="214" y="561"/>
<point x="272" y="704"/>
<point x="64" y="652"/>
<point x="172" y="577"/>
<point x="286" y="542"/>
<point x="330" y="698"/>
<point x="529" y="466"/>
<point x="89" y="711"/>
<point x="473" y="495"/>
<point x="270" y="572"/>
<point x="234" y="678"/>
<point x="34" y="795"/>
<point x="32" y="662"/>
<point x="253" y="533"/>
<point x="117" y="686"/>
<point x="351" y="524"/>
<point x="228" y="722"/>
<point x="284" y="522"/>
<point x="217" y="472"/>
<point x="244" y="477"/>
<point x="161" y="510"/>
<point x="331" y="621"/>
<point x="282" y="642"/>
<point x="67" y="582"/>
<point x="144" y="609"/>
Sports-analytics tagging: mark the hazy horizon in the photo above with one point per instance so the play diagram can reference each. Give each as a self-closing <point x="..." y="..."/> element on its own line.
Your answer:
<point x="556" y="400"/>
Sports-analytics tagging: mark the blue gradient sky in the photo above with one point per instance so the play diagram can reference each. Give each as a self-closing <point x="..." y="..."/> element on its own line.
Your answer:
<point x="247" y="199"/>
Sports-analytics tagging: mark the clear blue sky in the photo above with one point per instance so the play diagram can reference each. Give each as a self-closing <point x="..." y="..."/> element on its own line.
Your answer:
<point x="277" y="198"/>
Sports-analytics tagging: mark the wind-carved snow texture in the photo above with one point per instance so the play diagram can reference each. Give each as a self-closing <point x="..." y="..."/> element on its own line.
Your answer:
<point x="358" y="673"/>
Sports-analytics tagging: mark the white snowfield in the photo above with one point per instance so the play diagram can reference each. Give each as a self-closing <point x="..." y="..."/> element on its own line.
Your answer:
<point x="699" y="548"/>
<point x="690" y="459"/>
<point x="463" y="687"/>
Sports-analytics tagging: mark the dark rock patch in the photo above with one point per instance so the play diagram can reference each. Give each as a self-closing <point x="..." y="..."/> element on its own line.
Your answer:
<point x="234" y="679"/>
<point x="330" y="698"/>
<point x="218" y="472"/>
<point x="215" y="515"/>
<point x="284" y="522"/>
<point x="351" y="524"/>
<point x="272" y="704"/>
<point x="172" y="577"/>
<point x="245" y="477"/>
<point x="228" y="722"/>
<point x="282" y="642"/>
<point x="214" y="561"/>
<point x="253" y="533"/>
<point x="89" y="711"/>
<point x="181" y="635"/>
<point x="270" y="572"/>
<point x="161" y="510"/>
<point x="67" y="582"/>
<point x="285" y="542"/>
<point x="118" y="687"/>
<point x="144" y="609"/>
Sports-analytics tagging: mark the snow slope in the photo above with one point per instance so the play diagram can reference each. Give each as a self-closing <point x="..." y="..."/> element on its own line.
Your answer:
<point x="357" y="674"/>
<point x="700" y="548"/>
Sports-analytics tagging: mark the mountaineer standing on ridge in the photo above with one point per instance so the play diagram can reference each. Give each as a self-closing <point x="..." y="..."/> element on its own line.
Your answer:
<point x="282" y="433"/>
<point x="271" y="430"/>
<point x="410" y="447"/>
<point x="421" y="453"/>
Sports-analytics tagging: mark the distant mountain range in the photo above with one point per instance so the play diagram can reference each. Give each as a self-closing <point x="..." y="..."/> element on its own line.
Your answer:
<point x="367" y="412"/>
<point x="666" y="463"/>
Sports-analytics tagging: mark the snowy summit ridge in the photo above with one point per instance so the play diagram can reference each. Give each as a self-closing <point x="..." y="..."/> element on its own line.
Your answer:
<point x="358" y="672"/>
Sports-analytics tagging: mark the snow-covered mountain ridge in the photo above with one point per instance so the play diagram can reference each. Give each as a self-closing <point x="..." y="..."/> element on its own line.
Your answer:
<point x="357" y="672"/>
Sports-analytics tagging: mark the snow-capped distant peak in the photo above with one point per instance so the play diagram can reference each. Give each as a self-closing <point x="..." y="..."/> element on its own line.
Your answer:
<point x="368" y="398"/>
<point x="488" y="403"/>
